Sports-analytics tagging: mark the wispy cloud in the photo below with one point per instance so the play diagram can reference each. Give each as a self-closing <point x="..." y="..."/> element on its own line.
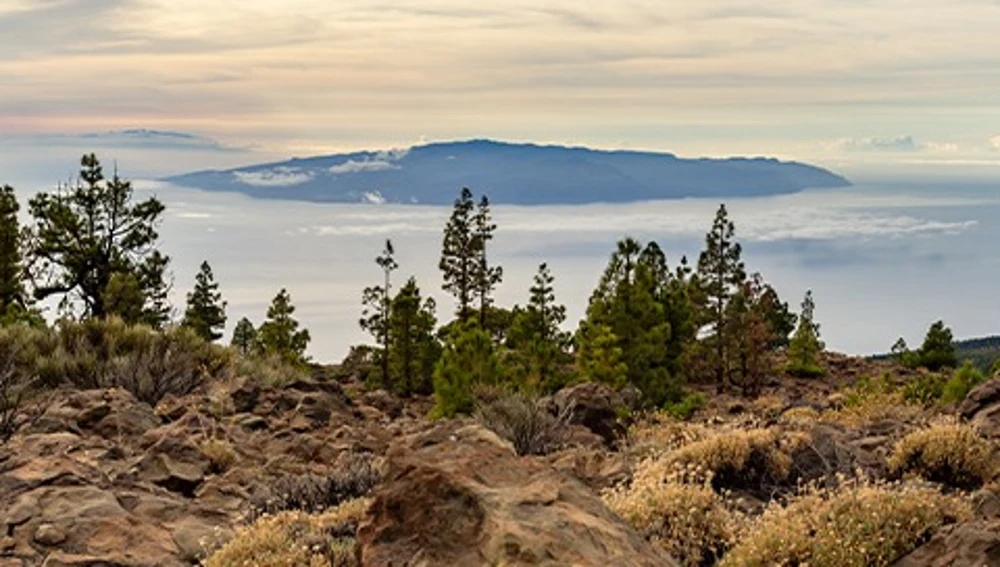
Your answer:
<point x="277" y="177"/>
<point x="355" y="166"/>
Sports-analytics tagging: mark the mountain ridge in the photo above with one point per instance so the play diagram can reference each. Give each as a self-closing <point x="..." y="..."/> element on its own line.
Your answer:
<point x="511" y="173"/>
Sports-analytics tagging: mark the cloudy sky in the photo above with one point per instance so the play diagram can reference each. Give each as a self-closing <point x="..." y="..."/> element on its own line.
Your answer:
<point x="853" y="83"/>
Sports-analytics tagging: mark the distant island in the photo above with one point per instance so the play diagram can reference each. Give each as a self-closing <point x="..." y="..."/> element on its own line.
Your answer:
<point x="521" y="174"/>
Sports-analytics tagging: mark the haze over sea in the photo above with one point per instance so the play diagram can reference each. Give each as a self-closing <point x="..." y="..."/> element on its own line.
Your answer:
<point x="884" y="258"/>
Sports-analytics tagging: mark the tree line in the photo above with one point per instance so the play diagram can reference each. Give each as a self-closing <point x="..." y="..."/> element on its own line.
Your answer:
<point x="94" y="247"/>
<point x="648" y="326"/>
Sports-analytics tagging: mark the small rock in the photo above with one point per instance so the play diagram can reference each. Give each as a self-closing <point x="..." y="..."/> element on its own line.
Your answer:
<point x="987" y="504"/>
<point x="49" y="535"/>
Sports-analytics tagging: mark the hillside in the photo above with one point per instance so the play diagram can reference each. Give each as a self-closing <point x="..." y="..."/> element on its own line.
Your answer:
<point x="524" y="174"/>
<point x="983" y="352"/>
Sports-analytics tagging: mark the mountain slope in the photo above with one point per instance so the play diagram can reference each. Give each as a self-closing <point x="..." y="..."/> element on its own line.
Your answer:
<point x="511" y="173"/>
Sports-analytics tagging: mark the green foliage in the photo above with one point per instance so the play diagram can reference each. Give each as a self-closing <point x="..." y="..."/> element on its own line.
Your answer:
<point x="244" y="337"/>
<point x="519" y="418"/>
<point x="206" y="311"/>
<point x="93" y="235"/>
<point x="686" y="406"/>
<point x="628" y="324"/>
<point x="780" y="319"/>
<point x="721" y="274"/>
<point x="750" y="334"/>
<point x="938" y="350"/>
<point x="995" y="369"/>
<point x="962" y="381"/>
<point x="468" y="360"/>
<point x="867" y="388"/>
<point x="377" y="307"/>
<point x="540" y="349"/>
<point x="925" y="389"/>
<point x="280" y="335"/>
<point x="458" y="255"/>
<point x="414" y="348"/>
<point x="805" y="346"/>
<point x="13" y="300"/>
<point x="485" y="277"/>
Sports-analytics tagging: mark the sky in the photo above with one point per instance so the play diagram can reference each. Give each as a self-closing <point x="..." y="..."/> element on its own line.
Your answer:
<point x="887" y="85"/>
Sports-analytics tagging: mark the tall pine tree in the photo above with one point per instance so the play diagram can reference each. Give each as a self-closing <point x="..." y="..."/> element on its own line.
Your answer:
<point x="721" y="274"/>
<point x="805" y="346"/>
<point x="750" y="335"/>
<point x="206" y="311"/>
<point x="377" y="302"/>
<point x="13" y="300"/>
<point x="280" y="334"/>
<point x="245" y="337"/>
<point x="540" y="348"/>
<point x="415" y="349"/>
<point x="93" y="237"/>
<point x="458" y="263"/>
<point x="486" y="277"/>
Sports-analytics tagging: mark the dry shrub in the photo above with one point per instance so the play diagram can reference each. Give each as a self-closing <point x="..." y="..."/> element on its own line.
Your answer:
<point x="871" y="400"/>
<point x="520" y="419"/>
<point x="269" y="370"/>
<point x="317" y="493"/>
<point x="857" y="524"/>
<point x="220" y="454"/>
<point x="658" y="433"/>
<point x="801" y="416"/>
<point x="768" y="407"/>
<point x="737" y="458"/>
<point x="949" y="453"/>
<point x="296" y="539"/>
<point x="17" y="382"/>
<point x="688" y="520"/>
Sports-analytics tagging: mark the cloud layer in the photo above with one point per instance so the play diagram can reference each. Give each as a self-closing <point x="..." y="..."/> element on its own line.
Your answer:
<point x="719" y="78"/>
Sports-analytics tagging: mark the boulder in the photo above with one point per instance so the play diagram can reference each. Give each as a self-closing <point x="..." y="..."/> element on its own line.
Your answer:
<point x="973" y="544"/>
<point x="458" y="495"/>
<point x="982" y="408"/>
<point x="594" y="406"/>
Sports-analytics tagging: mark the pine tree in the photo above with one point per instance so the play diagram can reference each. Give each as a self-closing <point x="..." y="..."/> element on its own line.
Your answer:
<point x="415" y="350"/>
<point x="206" y="311"/>
<point x="377" y="302"/>
<point x="938" y="349"/>
<point x="600" y="358"/>
<point x="89" y="235"/>
<point x="485" y="277"/>
<point x="632" y="301"/>
<point x="280" y="334"/>
<point x="780" y="318"/>
<point x="245" y="337"/>
<point x="468" y="360"/>
<point x="805" y="346"/>
<point x="721" y="274"/>
<point x="458" y="255"/>
<point x="751" y="335"/>
<point x="14" y="304"/>
<point x="540" y="347"/>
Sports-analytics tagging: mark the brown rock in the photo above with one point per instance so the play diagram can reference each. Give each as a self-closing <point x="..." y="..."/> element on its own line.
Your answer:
<point x="49" y="535"/>
<point x="974" y="544"/>
<point x="458" y="495"/>
<point x="594" y="406"/>
<point x="176" y="476"/>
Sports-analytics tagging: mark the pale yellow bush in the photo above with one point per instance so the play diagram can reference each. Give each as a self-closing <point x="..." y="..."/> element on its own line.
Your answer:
<point x="800" y="416"/>
<point x="736" y="458"/>
<point x="950" y="453"/>
<point x="296" y="539"/>
<point x="859" y="524"/>
<point x="658" y="433"/>
<point x="768" y="407"/>
<point x="688" y="520"/>
<point x="220" y="454"/>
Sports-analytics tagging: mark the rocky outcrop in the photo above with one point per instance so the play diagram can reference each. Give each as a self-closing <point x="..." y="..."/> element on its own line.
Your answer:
<point x="458" y="495"/>
<point x="982" y="408"/>
<point x="972" y="544"/>
<point x="594" y="406"/>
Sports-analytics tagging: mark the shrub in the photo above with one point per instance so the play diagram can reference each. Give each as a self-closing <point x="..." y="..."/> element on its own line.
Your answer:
<point x="220" y="454"/>
<point x="316" y="493"/>
<point x="689" y="521"/>
<point x="857" y="524"/>
<point x="962" y="381"/>
<point x="468" y="360"/>
<point x="686" y="406"/>
<point x="518" y="418"/>
<point x="294" y="538"/>
<point x="952" y="454"/>
<point x="735" y="458"/>
<point x="16" y="384"/>
<point x="269" y="370"/>
<point x="871" y="400"/>
<point x="925" y="389"/>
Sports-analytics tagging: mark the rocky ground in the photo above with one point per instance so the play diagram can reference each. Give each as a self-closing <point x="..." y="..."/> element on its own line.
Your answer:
<point x="98" y="478"/>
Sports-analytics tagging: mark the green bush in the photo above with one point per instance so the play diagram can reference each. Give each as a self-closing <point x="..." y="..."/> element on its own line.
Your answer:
<point x="686" y="406"/>
<point x="519" y="418"/>
<point x="961" y="382"/>
<point x="925" y="389"/>
<point x="469" y="360"/>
